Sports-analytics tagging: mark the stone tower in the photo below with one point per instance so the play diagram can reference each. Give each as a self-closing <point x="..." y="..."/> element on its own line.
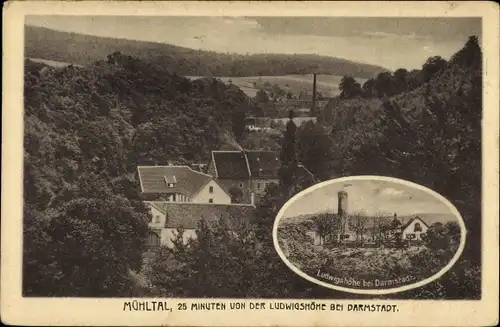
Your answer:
<point x="342" y="205"/>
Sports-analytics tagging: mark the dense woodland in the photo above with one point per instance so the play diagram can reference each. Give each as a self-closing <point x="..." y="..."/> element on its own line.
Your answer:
<point x="85" y="50"/>
<point x="87" y="128"/>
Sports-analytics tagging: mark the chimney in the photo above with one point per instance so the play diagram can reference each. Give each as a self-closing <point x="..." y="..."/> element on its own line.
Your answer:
<point x="252" y="198"/>
<point x="313" y="108"/>
<point x="342" y="205"/>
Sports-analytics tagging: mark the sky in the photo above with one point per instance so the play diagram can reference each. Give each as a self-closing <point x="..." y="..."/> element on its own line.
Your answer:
<point x="389" y="42"/>
<point x="368" y="196"/>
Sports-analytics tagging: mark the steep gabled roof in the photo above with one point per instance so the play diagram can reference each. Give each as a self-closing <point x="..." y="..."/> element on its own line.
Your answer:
<point x="154" y="179"/>
<point x="231" y="164"/>
<point x="188" y="215"/>
<point x="156" y="206"/>
<point x="303" y="172"/>
<point x="412" y="220"/>
<point x="263" y="164"/>
<point x="254" y="164"/>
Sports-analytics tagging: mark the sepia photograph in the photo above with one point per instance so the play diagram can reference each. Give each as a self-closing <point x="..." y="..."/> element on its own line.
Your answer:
<point x="132" y="139"/>
<point x="372" y="234"/>
<point x="185" y="161"/>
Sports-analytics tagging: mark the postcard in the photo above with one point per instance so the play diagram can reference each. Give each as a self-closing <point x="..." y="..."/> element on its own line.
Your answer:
<point x="250" y="163"/>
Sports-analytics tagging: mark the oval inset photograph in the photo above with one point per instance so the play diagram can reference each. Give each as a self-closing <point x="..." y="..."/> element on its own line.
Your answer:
<point x="369" y="234"/>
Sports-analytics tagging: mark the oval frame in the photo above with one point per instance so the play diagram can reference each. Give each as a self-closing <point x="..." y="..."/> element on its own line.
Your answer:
<point x="451" y="207"/>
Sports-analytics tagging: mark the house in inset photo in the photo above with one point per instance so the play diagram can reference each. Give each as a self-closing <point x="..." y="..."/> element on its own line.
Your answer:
<point x="414" y="229"/>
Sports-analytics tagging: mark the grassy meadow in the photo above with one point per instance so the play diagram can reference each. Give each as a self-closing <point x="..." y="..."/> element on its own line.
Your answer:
<point x="328" y="85"/>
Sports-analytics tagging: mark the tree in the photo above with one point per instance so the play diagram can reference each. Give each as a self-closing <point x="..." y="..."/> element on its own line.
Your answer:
<point x="380" y="223"/>
<point x="359" y="223"/>
<point x="414" y="79"/>
<point x="217" y="263"/>
<point x="314" y="149"/>
<point x="324" y="224"/>
<point x="257" y="111"/>
<point x="435" y="237"/>
<point x="261" y="96"/>
<point x="105" y="238"/>
<point x="288" y="155"/>
<point x="236" y="194"/>
<point x="277" y="92"/>
<point x="369" y="88"/>
<point x="349" y="87"/>
<point x="401" y="80"/>
<point x="470" y="55"/>
<point x="453" y="231"/>
<point x="41" y="270"/>
<point x="432" y="66"/>
<point x="384" y="85"/>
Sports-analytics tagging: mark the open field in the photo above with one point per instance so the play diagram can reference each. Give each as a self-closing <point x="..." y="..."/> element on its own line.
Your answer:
<point x="328" y="85"/>
<point x="57" y="64"/>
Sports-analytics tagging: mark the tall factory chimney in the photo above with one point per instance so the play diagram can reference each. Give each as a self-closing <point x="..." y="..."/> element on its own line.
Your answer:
<point x="342" y="206"/>
<point x="313" y="108"/>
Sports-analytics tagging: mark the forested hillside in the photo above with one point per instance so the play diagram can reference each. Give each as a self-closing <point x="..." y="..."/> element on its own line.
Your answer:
<point x="86" y="49"/>
<point x="86" y="130"/>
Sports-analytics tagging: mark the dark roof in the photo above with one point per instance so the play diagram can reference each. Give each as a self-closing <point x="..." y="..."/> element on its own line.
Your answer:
<point x="255" y="164"/>
<point x="263" y="164"/>
<point x="188" y="215"/>
<point x="303" y="172"/>
<point x="230" y="164"/>
<point x="154" y="179"/>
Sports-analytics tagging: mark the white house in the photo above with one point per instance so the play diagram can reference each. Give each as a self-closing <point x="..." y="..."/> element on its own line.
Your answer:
<point x="168" y="218"/>
<point x="180" y="184"/>
<point x="414" y="229"/>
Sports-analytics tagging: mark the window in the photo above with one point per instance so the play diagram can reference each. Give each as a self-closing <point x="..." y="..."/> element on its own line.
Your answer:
<point x="173" y="197"/>
<point x="418" y="228"/>
<point x="258" y="186"/>
<point x="170" y="182"/>
<point x="410" y="236"/>
<point x="241" y="184"/>
<point x="211" y="189"/>
<point x="157" y="219"/>
<point x="210" y="200"/>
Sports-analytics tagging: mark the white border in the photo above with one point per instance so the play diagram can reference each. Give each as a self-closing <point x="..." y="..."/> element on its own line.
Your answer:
<point x="351" y="179"/>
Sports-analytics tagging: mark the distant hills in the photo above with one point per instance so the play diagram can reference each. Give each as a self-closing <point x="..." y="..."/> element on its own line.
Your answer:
<point x="43" y="43"/>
